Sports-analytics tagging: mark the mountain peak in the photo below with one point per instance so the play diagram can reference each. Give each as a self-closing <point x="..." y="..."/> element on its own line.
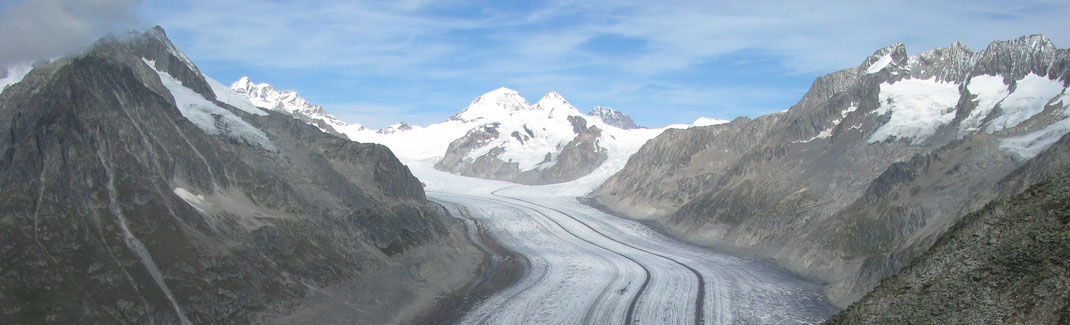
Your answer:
<point x="613" y="117"/>
<point x="894" y="54"/>
<point x="265" y="96"/>
<point x="555" y="103"/>
<point x="494" y="103"/>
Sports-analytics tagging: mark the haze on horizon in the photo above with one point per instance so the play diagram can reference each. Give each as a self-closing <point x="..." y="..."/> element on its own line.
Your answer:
<point x="421" y="61"/>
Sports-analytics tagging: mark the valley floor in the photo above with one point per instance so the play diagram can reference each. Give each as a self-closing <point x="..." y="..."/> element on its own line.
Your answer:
<point x="584" y="266"/>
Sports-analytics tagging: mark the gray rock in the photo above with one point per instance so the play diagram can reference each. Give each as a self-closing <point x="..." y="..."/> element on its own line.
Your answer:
<point x="95" y="229"/>
<point x="807" y="187"/>
<point x="613" y="117"/>
<point x="1005" y="263"/>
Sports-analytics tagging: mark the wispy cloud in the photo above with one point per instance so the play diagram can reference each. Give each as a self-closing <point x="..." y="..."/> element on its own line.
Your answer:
<point x="619" y="52"/>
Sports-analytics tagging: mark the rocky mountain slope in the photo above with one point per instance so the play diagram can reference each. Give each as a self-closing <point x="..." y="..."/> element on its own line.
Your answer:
<point x="1005" y="263"/>
<point x="867" y="170"/>
<point x="265" y="96"/>
<point x="133" y="189"/>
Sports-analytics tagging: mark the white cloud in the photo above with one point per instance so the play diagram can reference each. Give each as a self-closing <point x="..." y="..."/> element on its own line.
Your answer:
<point x="42" y="29"/>
<point x="421" y="44"/>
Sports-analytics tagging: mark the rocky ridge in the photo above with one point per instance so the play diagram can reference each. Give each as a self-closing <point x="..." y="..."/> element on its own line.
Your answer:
<point x="265" y="96"/>
<point x="136" y="190"/>
<point x="613" y="117"/>
<point x="867" y="170"/>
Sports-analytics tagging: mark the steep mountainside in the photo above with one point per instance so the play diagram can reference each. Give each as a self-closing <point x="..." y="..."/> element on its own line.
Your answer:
<point x="867" y="170"/>
<point x="265" y="96"/>
<point x="1006" y="263"/>
<point x="135" y="190"/>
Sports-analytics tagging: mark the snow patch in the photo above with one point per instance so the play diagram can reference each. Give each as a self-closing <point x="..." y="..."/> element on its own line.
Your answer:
<point x="880" y="63"/>
<point x="196" y="200"/>
<point x="1029" y="98"/>
<point x="706" y="121"/>
<point x="917" y="107"/>
<point x="15" y="73"/>
<point x="210" y="117"/>
<point x="990" y="90"/>
<point x="233" y="98"/>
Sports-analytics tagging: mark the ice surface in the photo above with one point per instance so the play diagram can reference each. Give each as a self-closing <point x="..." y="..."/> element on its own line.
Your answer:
<point x="1030" y="145"/>
<point x="208" y="116"/>
<point x="1029" y="98"/>
<point x="917" y="108"/>
<point x="232" y="98"/>
<point x="589" y="267"/>
<point x="990" y="90"/>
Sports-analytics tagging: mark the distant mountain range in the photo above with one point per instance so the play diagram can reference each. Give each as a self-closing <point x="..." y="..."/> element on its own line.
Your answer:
<point x="499" y="135"/>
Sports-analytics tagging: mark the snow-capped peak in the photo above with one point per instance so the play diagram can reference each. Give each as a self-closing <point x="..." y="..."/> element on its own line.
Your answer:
<point x="889" y="55"/>
<point x="553" y="102"/>
<point x="265" y="96"/>
<point x="613" y="117"/>
<point x="503" y="98"/>
<point x="493" y="105"/>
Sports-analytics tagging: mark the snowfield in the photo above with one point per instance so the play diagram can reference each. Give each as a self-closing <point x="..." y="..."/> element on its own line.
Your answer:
<point x="589" y="267"/>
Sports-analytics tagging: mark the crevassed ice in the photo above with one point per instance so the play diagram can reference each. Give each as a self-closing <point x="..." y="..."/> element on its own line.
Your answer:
<point x="1029" y="98"/>
<point x="1030" y="145"/>
<point x="208" y="116"/>
<point x="917" y="107"/>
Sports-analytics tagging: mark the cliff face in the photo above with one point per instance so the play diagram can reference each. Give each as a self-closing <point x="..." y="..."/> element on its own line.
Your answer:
<point x="867" y="169"/>
<point x="131" y="192"/>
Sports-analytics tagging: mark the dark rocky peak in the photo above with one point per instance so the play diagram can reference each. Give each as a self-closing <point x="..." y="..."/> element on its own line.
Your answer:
<point x="891" y="56"/>
<point x="1019" y="57"/>
<point x="950" y="64"/>
<point x="613" y="117"/>
<point x="153" y="45"/>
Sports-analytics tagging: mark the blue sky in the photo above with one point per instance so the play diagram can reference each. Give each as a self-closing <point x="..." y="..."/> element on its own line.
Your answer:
<point x="661" y="62"/>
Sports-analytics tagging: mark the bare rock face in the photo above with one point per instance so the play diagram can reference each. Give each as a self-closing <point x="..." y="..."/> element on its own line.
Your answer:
<point x="613" y="117"/>
<point x="130" y="193"/>
<point x="1005" y="263"/>
<point x="867" y="170"/>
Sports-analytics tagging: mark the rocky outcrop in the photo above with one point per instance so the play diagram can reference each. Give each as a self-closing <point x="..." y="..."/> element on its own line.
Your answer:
<point x="131" y="192"/>
<point x="613" y="117"/>
<point x="867" y="170"/>
<point x="1005" y="263"/>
